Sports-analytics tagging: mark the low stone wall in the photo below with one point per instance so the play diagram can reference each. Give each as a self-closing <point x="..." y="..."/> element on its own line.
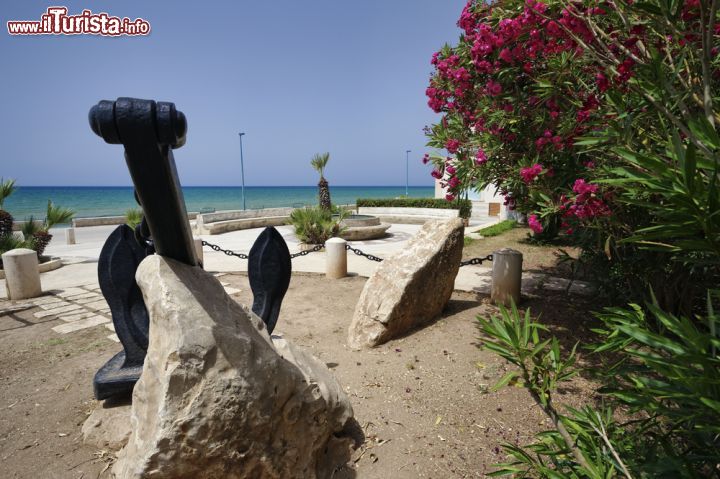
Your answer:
<point x="219" y="227"/>
<point x="232" y="220"/>
<point x="413" y="216"/>
<point x="51" y="265"/>
<point x="108" y="220"/>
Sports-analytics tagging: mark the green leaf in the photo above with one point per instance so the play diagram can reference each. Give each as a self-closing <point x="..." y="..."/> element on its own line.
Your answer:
<point x="505" y="380"/>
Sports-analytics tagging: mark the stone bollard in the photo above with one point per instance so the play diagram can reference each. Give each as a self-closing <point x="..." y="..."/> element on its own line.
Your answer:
<point x="70" y="235"/>
<point x="19" y="235"/>
<point x="197" y="241"/>
<point x="335" y="258"/>
<point x="22" y="278"/>
<point x="506" y="276"/>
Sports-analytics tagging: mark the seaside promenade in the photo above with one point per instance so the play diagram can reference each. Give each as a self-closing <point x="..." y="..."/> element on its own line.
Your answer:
<point x="80" y="260"/>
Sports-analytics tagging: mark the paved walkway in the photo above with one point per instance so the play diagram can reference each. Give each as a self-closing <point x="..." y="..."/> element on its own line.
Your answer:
<point x="73" y="294"/>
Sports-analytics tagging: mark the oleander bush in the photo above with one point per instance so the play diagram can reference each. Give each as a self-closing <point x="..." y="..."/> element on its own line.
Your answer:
<point x="599" y="121"/>
<point x="464" y="205"/>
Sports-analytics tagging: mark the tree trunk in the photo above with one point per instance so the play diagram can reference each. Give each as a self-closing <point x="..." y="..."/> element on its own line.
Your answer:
<point x="6" y="223"/>
<point x="41" y="240"/>
<point x="324" y="192"/>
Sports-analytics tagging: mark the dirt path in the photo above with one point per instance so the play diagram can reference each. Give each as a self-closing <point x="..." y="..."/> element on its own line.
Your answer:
<point x="423" y="401"/>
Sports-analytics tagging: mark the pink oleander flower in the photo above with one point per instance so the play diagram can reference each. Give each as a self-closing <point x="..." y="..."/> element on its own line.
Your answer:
<point x="452" y="145"/>
<point x="480" y="157"/>
<point x="425" y="159"/>
<point x="506" y="55"/>
<point x="534" y="224"/>
<point x="450" y="169"/>
<point x="493" y="88"/>
<point x="436" y="174"/>
<point x="531" y="172"/>
<point x="602" y="82"/>
<point x="581" y="187"/>
<point x="449" y="197"/>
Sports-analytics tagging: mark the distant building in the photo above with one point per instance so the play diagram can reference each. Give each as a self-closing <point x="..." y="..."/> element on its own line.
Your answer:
<point x="487" y="202"/>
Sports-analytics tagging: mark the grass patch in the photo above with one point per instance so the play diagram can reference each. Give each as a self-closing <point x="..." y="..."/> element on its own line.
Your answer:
<point x="497" y="229"/>
<point x="467" y="240"/>
<point x="55" y="341"/>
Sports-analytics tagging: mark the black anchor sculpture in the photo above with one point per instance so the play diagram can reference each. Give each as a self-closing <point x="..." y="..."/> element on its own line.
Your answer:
<point x="149" y="131"/>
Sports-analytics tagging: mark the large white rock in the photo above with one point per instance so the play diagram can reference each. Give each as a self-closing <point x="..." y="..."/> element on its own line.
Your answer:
<point x="218" y="398"/>
<point x="411" y="287"/>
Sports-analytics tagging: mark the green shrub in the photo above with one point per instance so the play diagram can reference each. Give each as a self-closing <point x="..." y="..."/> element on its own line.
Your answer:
<point x="497" y="229"/>
<point x="316" y="225"/>
<point x="10" y="242"/>
<point x="666" y="374"/>
<point x="465" y="206"/>
<point x="133" y="217"/>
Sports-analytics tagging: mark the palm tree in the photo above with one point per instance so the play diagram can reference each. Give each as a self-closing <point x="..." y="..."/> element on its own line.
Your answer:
<point x="6" y="219"/>
<point x="319" y="161"/>
<point x="54" y="215"/>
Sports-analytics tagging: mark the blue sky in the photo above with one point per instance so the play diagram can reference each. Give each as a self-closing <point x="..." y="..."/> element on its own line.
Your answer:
<point x="299" y="77"/>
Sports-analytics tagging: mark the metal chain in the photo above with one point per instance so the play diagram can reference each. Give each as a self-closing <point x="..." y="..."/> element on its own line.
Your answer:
<point x="226" y="251"/>
<point x="317" y="248"/>
<point x="476" y="260"/>
<point x="361" y="253"/>
<point x="307" y="251"/>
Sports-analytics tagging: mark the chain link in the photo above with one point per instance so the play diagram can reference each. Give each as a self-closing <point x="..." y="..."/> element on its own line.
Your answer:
<point x="361" y="253"/>
<point x="476" y="261"/>
<point x="314" y="249"/>
<point x="226" y="251"/>
<point x="307" y="251"/>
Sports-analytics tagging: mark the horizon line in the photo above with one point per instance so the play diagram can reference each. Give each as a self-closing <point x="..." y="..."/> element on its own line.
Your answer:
<point x="228" y="186"/>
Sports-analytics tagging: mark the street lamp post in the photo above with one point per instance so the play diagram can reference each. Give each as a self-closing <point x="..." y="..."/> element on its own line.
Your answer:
<point x="242" y="169"/>
<point x="407" y="172"/>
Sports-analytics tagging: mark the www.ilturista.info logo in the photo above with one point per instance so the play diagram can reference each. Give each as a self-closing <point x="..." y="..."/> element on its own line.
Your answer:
<point x="56" y="21"/>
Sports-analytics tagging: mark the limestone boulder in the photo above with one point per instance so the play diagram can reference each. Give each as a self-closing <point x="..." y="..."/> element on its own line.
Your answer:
<point x="219" y="398"/>
<point x="410" y="288"/>
<point x="108" y="427"/>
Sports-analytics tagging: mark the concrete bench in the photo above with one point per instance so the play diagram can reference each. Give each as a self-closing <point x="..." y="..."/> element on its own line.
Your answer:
<point x="225" y="221"/>
<point x="412" y="216"/>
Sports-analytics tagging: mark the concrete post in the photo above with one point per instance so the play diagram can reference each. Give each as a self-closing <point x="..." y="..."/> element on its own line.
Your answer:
<point x="198" y="249"/>
<point x="335" y="258"/>
<point x="506" y="276"/>
<point x="22" y="278"/>
<point x="70" y="235"/>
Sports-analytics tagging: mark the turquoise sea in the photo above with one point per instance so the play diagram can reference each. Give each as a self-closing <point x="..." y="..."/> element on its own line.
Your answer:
<point x="112" y="201"/>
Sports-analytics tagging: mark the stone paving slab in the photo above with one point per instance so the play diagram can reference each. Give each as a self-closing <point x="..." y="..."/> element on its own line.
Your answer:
<point x="80" y="324"/>
<point x="55" y="312"/>
<point x="74" y="316"/>
<point x="101" y="304"/>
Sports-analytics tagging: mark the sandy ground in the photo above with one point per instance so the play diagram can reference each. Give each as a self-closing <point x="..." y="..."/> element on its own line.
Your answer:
<point x="423" y="401"/>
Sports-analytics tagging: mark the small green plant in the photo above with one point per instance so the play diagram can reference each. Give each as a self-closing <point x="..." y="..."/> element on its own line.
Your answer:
<point x="133" y="217"/>
<point x="316" y="225"/>
<point x="10" y="242"/>
<point x="7" y="187"/>
<point x="29" y="229"/>
<point x="497" y="229"/>
<point x="54" y="215"/>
